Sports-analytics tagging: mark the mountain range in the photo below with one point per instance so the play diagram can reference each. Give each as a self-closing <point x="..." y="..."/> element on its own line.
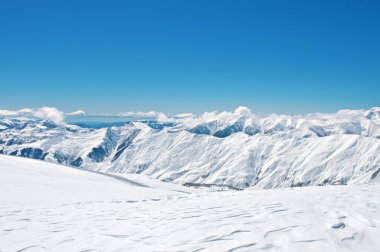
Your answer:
<point x="230" y="149"/>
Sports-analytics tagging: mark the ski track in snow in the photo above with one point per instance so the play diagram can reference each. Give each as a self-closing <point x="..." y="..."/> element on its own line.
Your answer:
<point x="99" y="213"/>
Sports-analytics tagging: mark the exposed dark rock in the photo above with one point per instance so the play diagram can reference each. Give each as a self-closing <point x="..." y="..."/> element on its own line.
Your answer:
<point x="77" y="162"/>
<point x="49" y="124"/>
<point x="229" y="130"/>
<point x="158" y="126"/>
<point x="125" y="144"/>
<point x="97" y="154"/>
<point x="14" y="153"/>
<point x="374" y="175"/>
<point x="251" y="131"/>
<point x="35" y="153"/>
<point x="201" y="129"/>
<point x="319" y="131"/>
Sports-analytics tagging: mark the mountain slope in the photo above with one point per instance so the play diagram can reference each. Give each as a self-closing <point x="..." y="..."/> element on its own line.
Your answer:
<point x="32" y="182"/>
<point x="49" y="207"/>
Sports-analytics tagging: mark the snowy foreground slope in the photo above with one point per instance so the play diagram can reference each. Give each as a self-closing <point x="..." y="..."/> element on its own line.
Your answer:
<point x="236" y="149"/>
<point x="48" y="207"/>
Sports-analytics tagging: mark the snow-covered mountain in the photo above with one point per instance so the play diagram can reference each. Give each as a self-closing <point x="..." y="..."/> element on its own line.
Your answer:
<point x="237" y="149"/>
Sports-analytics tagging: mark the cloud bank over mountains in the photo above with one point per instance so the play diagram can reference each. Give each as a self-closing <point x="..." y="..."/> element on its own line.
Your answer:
<point x="188" y="119"/>
<point x="48" y="113"/>
<point x="57" y="116"/>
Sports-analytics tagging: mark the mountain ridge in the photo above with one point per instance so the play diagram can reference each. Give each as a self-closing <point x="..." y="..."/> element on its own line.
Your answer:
<point x="235" y="149"/>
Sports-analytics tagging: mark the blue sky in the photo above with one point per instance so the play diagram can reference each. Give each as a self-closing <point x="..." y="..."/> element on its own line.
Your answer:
<point x="190" y="56"/>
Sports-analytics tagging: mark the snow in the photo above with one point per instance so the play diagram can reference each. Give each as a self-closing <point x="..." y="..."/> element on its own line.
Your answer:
<point x="234" y="149"/>
<point x="29" y="182"/>
<point x="49" y="207"/>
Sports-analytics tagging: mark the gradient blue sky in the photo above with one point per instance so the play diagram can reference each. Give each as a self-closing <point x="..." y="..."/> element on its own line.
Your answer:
<point x="190" y="56"/>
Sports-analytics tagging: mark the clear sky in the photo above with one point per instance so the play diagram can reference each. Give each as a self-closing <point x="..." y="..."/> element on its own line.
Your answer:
<point x="190" y="56"/>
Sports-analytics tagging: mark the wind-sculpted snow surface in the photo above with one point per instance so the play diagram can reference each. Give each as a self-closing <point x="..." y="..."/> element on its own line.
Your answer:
<point x="234" y="149"/>
<point x="49" y="207"/>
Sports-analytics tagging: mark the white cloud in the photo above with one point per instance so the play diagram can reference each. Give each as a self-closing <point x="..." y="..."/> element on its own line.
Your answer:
<point x="241" y="110"/>
<point x="188" y="119"/>
<point x="163" y="118"/>
<point x="77" y="112"/>
<point x="140" y="114"/>
<point x="48" y="113"/>
<point x="183" y="115"/>
<point x="159" y="116"/>
<point x="26" y="111"/>
<point x="51" y="114"/>
<point x="4" y="112"/>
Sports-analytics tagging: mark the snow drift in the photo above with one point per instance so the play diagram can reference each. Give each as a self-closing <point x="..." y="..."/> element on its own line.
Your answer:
<point x="49" y="207"/>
